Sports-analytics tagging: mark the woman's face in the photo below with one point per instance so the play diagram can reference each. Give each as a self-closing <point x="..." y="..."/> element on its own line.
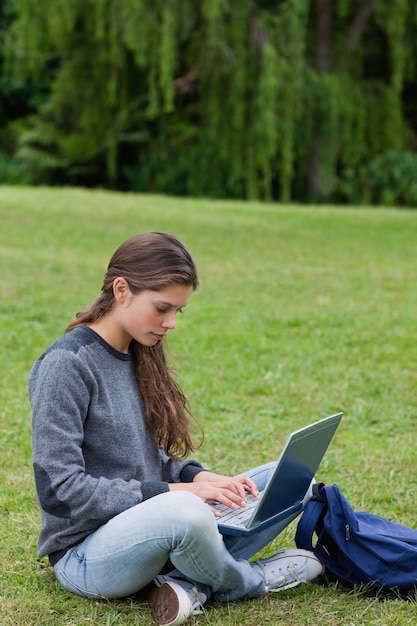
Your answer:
<point x="148" y="316"/>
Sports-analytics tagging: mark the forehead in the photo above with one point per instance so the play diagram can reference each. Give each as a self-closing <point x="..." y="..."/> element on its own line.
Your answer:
<point x="175" y="295"/>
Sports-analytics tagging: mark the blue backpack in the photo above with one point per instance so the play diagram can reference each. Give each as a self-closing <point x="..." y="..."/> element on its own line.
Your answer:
<point x="358" y="548"/>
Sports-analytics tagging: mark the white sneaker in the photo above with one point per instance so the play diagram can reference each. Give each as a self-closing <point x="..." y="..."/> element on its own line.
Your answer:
<point x="174" y="600"/>
<point x="289" y="568"/>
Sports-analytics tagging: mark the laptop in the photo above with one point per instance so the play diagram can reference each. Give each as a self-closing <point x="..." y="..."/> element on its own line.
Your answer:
<point x="284" y="496"/>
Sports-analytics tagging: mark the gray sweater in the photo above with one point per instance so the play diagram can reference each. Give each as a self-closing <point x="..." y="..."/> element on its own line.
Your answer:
<point x="93" y="456"/>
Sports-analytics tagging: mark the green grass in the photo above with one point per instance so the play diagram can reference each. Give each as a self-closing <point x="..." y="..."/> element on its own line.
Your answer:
<point x="301" y="312"/>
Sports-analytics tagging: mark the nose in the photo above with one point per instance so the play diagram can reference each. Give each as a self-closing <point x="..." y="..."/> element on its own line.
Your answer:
<point x="170" y="321"/>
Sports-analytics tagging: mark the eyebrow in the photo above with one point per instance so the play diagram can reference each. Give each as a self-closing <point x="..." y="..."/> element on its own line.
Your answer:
<point x="170" y="304"/>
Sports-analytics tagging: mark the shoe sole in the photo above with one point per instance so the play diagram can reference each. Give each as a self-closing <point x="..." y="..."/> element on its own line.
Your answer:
<point x="165" y="605"/>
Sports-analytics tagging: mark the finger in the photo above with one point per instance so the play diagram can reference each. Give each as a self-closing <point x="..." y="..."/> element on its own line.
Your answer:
<point x="236" y="499"/>
<point x="229" y="498"/>
<point x="235" y="487"/>
<point x="215" y="511"/>
<point x="249" y="485"/>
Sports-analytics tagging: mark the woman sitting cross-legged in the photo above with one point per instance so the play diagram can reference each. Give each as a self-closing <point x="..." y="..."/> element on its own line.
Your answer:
<point x="119" y="497"/>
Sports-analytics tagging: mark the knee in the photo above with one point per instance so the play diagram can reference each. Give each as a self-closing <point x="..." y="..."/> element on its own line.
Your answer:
<point x="192" y="512"/>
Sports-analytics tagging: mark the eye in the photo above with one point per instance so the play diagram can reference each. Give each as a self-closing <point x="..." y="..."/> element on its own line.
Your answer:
<point x="164" y="310"/>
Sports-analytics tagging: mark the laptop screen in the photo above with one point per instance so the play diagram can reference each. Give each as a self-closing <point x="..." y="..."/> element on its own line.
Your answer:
<point x="296" y="468"/>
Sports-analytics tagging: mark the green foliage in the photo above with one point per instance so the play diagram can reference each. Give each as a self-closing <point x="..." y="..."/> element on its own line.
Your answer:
<point x="278" y="97"/>
<point x="389" y="179"/>
<point x="13" y="172"/>
<point x="174" y="162"/>
<point x="19" y="96"/>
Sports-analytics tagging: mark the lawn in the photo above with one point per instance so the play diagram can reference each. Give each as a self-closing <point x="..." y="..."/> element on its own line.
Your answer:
<point x="301" y="312"/>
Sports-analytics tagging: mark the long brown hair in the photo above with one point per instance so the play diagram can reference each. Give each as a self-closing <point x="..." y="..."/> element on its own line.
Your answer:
<point x="153" y="261"/>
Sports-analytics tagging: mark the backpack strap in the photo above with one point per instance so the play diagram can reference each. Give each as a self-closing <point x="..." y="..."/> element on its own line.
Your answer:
<point x="311" y="519"/>
<point x="319" y="493"/>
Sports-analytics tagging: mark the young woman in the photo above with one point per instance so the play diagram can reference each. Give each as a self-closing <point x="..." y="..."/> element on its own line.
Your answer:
<point x="119" y="498"/>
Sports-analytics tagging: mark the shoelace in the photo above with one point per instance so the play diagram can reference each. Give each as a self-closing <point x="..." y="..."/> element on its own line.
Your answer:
<point x="197" y="607"/>
<point x="293" y="574"/>
<point x="287" y="577"/>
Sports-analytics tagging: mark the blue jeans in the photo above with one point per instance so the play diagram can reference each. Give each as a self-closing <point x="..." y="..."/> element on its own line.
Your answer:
<point x="126" y="553"/>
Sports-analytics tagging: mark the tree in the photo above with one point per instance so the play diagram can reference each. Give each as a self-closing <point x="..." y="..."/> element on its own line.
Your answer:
<point x="364" y="54"/>
<point x="257" y="99"/>
<point x="18" y="97"/>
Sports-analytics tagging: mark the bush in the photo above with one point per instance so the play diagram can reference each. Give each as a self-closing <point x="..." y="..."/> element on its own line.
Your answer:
<point x="176" y="163"/>
<point x="389" y="179"/>
<point x="13" y="172"/>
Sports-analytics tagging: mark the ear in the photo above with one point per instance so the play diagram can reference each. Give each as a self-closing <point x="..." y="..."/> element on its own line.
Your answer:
<point x="121" y="289"/>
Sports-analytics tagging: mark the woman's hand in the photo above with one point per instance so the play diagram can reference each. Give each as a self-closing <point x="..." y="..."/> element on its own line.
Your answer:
<point x="228" y="490"/>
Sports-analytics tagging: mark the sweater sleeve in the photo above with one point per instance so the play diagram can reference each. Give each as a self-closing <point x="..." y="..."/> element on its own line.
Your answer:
<point x="61" y="388"/>
<point x="176" y="471"/>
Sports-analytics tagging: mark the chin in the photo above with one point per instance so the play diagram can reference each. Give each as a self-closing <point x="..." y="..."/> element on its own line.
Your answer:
<point x="148" y="342"/>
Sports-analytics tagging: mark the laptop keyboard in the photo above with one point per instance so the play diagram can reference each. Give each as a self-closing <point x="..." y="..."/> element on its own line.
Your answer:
<point x="240" y="516"/>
